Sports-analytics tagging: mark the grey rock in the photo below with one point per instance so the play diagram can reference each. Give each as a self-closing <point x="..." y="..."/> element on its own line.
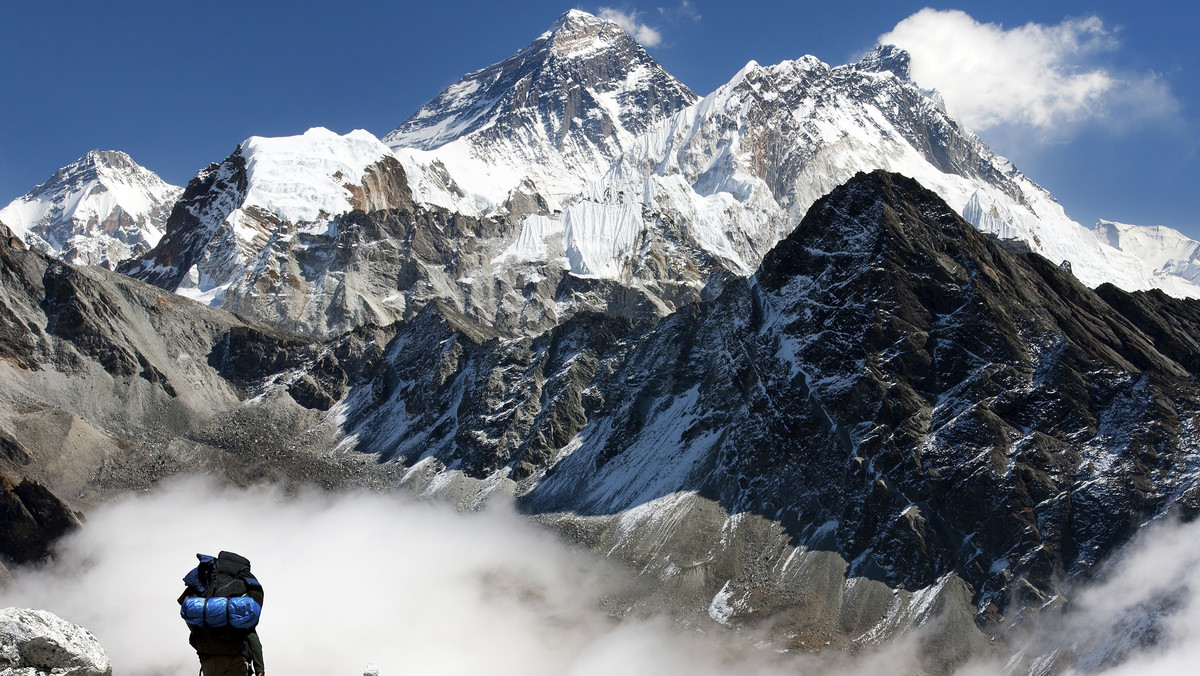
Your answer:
<point x="33" y="518"/>
<point x="38" y="643"/>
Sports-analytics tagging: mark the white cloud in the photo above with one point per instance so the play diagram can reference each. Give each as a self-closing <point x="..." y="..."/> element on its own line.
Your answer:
<point x="1141" y="616"/>
<point x="1039" y="76"/>
<point x="643" y="33"/>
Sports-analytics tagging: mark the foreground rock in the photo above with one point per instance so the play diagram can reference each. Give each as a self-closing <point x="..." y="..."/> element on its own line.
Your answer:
<point x="35" y="642"/>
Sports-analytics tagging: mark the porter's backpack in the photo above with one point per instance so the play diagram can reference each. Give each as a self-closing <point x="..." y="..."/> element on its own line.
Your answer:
<point x="221" y="592"/>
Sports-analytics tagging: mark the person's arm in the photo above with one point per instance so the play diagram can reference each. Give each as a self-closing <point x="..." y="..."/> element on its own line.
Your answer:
<point x="256" y="653"/>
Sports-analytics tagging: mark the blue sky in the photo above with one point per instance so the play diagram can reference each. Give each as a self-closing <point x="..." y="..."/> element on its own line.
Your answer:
<point x="1096" y="101"/>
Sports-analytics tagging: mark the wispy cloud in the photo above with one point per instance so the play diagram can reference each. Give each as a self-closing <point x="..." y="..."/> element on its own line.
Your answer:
<point x="1037" y="76"/>
<point x="644" y="33"/>
<point x="685" y="10"/>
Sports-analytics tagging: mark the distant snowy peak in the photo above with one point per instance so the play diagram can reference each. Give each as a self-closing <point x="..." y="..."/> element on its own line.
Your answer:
<point x="1167" y="250"/>
<point x="99" y="210"/>
<point x="887" y="58"/>
<point x="268" y="190"/>
<point x="555" y="114"/>
<point x="581" y="63"/>
<point x="742" y="166"/>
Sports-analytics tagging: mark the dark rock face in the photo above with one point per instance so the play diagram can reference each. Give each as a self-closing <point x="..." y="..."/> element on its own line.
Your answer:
<point x="1003" y="420"/>
<point x="248" y="355"/>
<point x="31" y="519"/>
<point x="1170" y="323"/>
<point x="206" y="201"/>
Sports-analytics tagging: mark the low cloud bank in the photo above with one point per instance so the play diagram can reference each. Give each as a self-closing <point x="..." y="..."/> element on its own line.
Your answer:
<point x="414" y="587"/>
<point x="360" y="579"/>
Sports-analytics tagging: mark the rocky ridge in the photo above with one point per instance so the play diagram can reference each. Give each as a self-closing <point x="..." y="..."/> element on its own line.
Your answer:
<point x="384" y="255"/>
<point x="906" y="393"/>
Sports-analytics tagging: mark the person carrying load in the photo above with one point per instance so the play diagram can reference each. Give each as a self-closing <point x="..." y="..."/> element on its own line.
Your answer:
<point x="221" y="603"/>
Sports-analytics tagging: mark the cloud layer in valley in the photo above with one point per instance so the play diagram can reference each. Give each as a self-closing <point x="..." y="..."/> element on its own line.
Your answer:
<point x="414" y="587"/>
<point x="351" y="580"/>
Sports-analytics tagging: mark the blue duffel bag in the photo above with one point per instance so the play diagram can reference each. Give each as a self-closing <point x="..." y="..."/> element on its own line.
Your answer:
<point x="239" y="612"/>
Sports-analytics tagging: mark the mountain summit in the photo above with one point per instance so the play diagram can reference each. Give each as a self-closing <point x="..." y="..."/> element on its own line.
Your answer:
<point x="577" y="174"/>
<point x="98" y="210"/>
<point x="556" y="113"/>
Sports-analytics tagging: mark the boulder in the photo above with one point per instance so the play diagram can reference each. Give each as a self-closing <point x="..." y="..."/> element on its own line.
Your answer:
<point x="35" y="642"/>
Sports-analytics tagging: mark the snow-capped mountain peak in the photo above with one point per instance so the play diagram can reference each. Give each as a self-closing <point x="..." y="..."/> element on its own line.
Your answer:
<point x="270" y="190"/>
<point x="743" y="165"/>
<point x="99" y="210"/>
<point x="1168" y="251"/>
<point x="577" y="34"/>
<point x="887" y="58"/>
<point x="589" y="178"/>
<point x="555" y="114"/>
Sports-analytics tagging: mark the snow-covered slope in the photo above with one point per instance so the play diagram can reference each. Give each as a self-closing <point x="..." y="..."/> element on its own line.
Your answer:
<point x="1168" y="251"/>
<point x="577" y="174"/>
<point x="99" y="210"/>
<point x="547" y="119"/>
<point x="270" y="189"/>
<point x="743" y="165"/>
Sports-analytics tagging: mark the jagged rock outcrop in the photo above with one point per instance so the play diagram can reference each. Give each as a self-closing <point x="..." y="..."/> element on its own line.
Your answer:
<point x="39" y="643"/>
